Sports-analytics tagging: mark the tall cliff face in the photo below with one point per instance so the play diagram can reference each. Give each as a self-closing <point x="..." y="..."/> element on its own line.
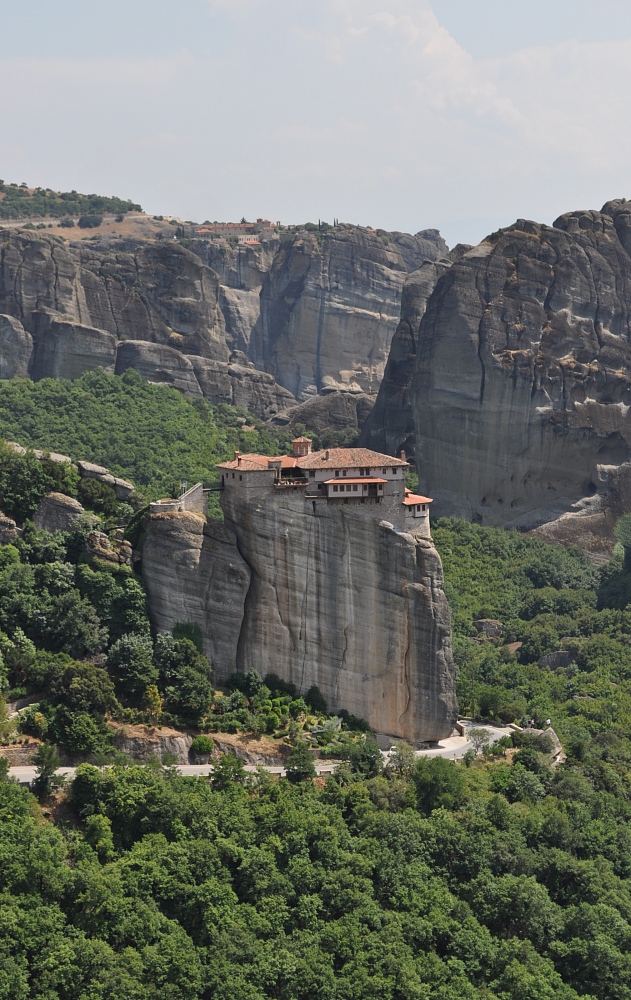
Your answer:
<point x="522" y="384"/>
<point x="333" y="599"/>
<point x="193" y="572"/>
<point x="308" y="314"/>
<point x="330" y="306"/>
<point x="160" y="290"/>
<point x="351" y="605"/>
<point x="390" y="425"/>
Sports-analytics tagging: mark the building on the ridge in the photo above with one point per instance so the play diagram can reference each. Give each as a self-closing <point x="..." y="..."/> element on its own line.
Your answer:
<point x="372" y="483"/>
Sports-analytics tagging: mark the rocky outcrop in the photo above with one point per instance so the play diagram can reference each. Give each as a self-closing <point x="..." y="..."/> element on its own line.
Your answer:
<point x="350" y="604"/>
<point x="242" y="271"/>
<point x="331" y="598"/>
<point x="239" y="383"/>
<point x="329" y="309"/>
<point x="390" y="426"/>
<point x="158" y="292"/>
<point x="16" y="347"/>
<point x="9" y="530"/>
<point x="193" y="572"/>
<point x="65" y="349"/>
<point x="332" y="411"/>
<point x="122" y="488"/>
<point x="158" y="363"/>
<point x="522" y="385"/>
<point x="57" y="512"/>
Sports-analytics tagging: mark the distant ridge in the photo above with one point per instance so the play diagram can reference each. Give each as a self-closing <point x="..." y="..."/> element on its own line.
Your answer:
<point x="22" y="202"/>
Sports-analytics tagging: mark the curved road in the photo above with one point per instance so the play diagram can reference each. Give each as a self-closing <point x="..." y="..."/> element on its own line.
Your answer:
<point x="452" y="748"/>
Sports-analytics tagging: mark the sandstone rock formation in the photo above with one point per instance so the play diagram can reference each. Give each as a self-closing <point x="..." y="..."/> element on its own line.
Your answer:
<point x="16" y="347"/>
<point x="329" y="308"/>
<point x="239" y="383"/>
<point x="122" y="488"/>
<point x="159" y="289"/>
<point x="65" y="349"/>
<point x="331" y="411"/>
<point x="194" y="572"/>
<point x="350" y="604"/>
<point x="523" y="388"/>
<point x="158" y="363"/>
<point x="390" y="426"/>
<point x="311" y="312"/>
<point x="57" y="512"/>
<point x="338" y="600"/>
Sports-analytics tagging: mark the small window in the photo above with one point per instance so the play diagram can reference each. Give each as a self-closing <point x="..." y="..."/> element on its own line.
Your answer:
<point x="394" y="472"/>
<point x="418" y="506"/>
<point x="337" y="472"/>
<point x="335" y="489"/>
<point x="344" y="472"/>
<point x="354" y="489"/>
<point x="233" y="475"/>
<point x="384" y="471"/>
<point x="423" y="506"/>
<point x="240" y="478"/>
<point x="363" y="499"/>
<point x="312" y="474"/>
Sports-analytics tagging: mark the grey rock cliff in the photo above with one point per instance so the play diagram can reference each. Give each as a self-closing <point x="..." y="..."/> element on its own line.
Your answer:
<point x="522" y="386"/>
<point x="158" y="363"/>
<point x="16" y="347"/>
<point x="350" y="604"/>
<point x="57" y="512"/>
<point x="194" y="572"/>
<point x="390" y="426"/>
<point x="329" y="309"/>
<point x="336" y="599"/>
<point x="160" y="290"/>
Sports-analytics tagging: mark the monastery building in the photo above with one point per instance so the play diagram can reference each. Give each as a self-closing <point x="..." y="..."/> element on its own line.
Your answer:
<point x="374" y="484"/>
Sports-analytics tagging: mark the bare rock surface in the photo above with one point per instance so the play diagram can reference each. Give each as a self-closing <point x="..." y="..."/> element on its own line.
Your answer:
<point x="522" y="388"/>
<point x="390" y="426"/>
<point x="16" y="347"/>
<point x="330" y="306"/>
<point x="158" y="363"/>
<point x="351" y="605"/>
<point x="331" y="411"/>
<point x="239" y="383"/>
<point x="193" y="572"/>
<point x="63" y="348"/>
<point x="153" y="291"/>
<point x="57" y="512"/>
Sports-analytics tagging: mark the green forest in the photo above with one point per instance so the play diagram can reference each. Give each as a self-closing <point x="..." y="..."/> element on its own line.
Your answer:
<point x="148" y="434"/>
<point x="500" y="877"/>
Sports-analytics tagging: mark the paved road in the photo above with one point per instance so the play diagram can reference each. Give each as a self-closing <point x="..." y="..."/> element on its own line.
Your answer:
<point x="452" y="748"/>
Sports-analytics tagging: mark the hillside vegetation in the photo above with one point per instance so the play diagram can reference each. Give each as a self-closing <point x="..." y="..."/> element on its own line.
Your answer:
<point x="20" y="202"/>
<point x="146" y="433"/>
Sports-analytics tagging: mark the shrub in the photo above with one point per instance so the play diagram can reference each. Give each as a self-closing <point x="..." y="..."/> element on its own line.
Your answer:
<point x="91" y="221"/>
<point x="202" y="745"/>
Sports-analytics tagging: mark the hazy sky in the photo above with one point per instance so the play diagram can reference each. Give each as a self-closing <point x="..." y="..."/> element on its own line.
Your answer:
<point x="404" y="114"/>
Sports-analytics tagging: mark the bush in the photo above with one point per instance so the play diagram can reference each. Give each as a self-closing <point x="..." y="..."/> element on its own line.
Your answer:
<point x="91" y="221"/>
<point x="67" y="223"/>
<point x="98" y="496"/>
<point x="202" y="746"/>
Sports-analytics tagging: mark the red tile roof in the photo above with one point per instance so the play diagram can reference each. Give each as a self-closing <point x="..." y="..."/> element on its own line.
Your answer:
<point x="348" y="458"/>
<point x="244" y="465"/>
<point x="411" y="500"/>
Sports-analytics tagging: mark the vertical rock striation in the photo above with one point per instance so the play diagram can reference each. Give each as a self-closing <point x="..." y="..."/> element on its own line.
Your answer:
<point x="346" y="602"/>
<point x="522" y="388"/>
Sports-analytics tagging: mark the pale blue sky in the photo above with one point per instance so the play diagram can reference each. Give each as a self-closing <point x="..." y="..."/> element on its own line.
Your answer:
<point x="459" y="114"/>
